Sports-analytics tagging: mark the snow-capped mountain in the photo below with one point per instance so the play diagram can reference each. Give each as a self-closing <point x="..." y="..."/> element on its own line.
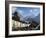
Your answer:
<point x="36" y="18"/>
<point x="29" y="18"/>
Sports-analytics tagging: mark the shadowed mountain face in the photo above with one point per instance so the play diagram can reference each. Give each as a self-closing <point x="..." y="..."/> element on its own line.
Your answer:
<point x="37" y="19"/>
<point x="16" y="17"/>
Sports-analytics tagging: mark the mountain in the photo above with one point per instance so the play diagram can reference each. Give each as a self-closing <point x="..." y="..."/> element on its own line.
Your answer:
<point x="37" y="18"/>
<point x="28" y="19"/>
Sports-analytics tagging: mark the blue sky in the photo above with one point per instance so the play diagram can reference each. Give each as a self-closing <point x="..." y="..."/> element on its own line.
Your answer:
<point x="27" y="11"/>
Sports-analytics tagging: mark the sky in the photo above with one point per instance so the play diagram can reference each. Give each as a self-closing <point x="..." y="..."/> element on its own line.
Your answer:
<point x="27" y="11"/>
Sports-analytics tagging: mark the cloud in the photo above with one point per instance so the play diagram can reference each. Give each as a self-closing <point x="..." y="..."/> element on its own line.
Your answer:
<point x="34" y="12"/>
<point x="31" y="10"/>
<point x="20" y="12"/>
<point x="13" y="10"/>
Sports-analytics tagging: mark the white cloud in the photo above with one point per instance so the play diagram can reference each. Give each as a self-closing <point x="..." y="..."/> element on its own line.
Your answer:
<point x="36" y="12"/>
<point x="31" y="10"/>
<point x="20" y="11"/>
